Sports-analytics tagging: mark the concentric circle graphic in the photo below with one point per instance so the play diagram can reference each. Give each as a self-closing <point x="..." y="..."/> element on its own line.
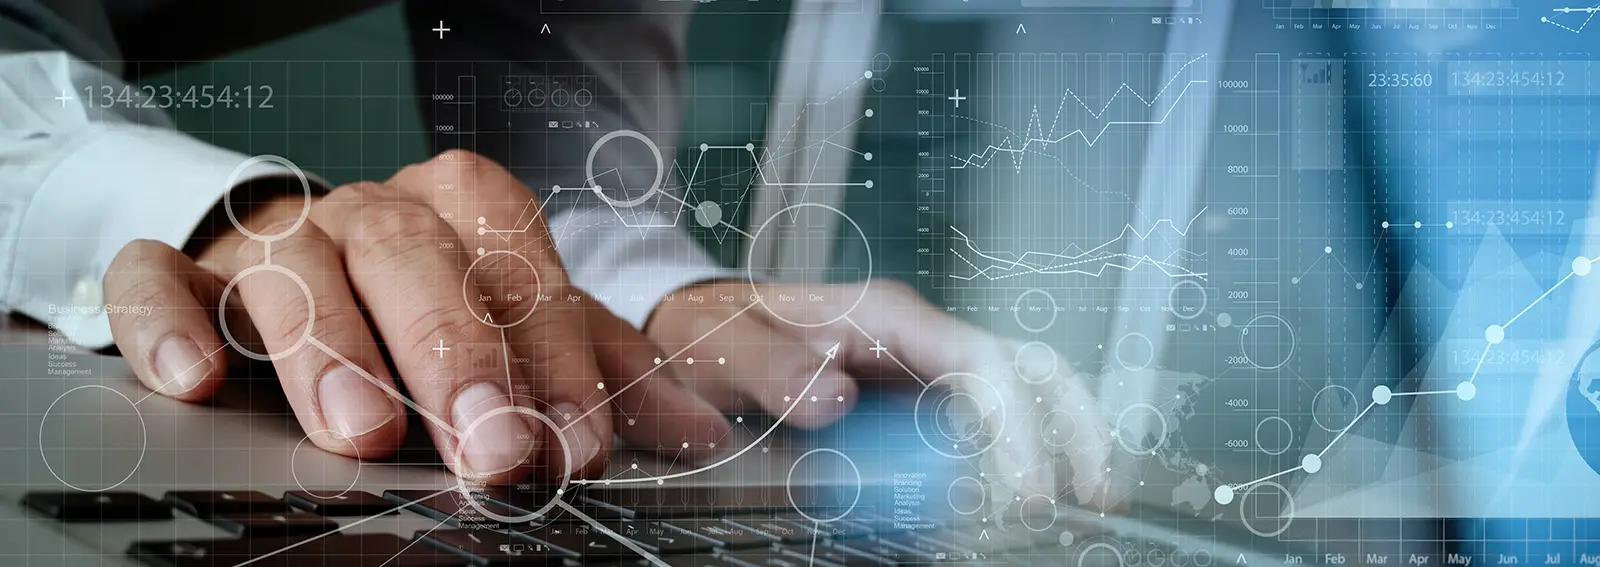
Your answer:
<point x="958" y="429"/>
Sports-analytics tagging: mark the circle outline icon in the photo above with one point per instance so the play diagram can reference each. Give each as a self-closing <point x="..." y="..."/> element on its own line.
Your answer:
<point x="311" y="312"/>
<point x="144" y="439"/>
<point x="566" y="468"/>
<point x="538" y="286"/>
<point x="788" y="486"/>
<point x="233" y="180"/>
<point x="755" y="281"/>
<point x="588" y="168"/>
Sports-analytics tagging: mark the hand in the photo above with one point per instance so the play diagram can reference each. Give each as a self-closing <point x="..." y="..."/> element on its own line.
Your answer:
<point x="929" y="344"/>
<point x="375" y="261"/>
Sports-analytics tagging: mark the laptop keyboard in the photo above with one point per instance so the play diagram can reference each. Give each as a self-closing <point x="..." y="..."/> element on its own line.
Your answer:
<point x="682" y="527"/>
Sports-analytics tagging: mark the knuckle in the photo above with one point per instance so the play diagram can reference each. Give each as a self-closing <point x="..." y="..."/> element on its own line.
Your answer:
<point x="357" y="192"/>
<point x="132" y="263"/>
<point x="434" y="322"/>
<point x="395" y="220"/>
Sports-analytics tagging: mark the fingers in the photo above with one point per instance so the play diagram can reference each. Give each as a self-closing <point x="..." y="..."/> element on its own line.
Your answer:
<point x="776" y="369"/>
<point x="298" y="297"/>
<point x="174" y="350"/>
<point x="652" y="408"/>
<point x="414" y="292"/>
<point x="933" y="344"/>
<point x="518" y="268"/>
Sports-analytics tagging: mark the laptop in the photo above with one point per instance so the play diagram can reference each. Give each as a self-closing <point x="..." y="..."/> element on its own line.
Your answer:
<point x="98" y="471"/>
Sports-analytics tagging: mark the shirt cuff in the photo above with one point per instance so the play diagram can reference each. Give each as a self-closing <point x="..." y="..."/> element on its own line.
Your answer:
<point x="117" y="183"/>
<point x="630" y="267"/>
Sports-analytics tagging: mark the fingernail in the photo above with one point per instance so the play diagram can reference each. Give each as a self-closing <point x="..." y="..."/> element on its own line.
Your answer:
<point x="351" y="405"/>
<point x="490" y="444"/>
<point x="177" y="364"/>
<point x="582" y="441"/>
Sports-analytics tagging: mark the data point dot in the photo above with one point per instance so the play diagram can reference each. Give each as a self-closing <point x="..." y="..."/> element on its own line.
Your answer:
<point x="689" y="360"/>
<point x="1381" y="395"/>
<point x="1361" y="285"/>
<point x="1417" y="224"/>
<point x="722" y="361"/>
<point x="840" y="399"/>
<point x="686" y="445"/>
<point x="869" y="113"/>
<point x="1581" y="266"/>
<point x="813" y="398"/>
<point x="1385" y="224"/>
<point x="750" y="147"/>
<point x="867" y="75"/>
<point x="1223" y="494"/>
<point x="1494" y="334"/>
<point x="1311" y="463"/>
<point x="705" y="147"/>
<point x="868" y="184"/>
<point x="482" y="251"/>
<point x="1466" y="391"/>
<point x="482" y="220"/>
<point x="1327" y="249"/>
<point x="867" y="156"/>
<point x="658" y="360"/>
<point x="482" y="231"/>
<point x="600" y="386"/>
<point x="636" y="466"/>
<point x="1449" y="224"/>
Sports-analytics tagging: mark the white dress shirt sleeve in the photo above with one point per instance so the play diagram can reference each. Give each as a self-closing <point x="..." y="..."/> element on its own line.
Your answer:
<point x="80" y="179"/>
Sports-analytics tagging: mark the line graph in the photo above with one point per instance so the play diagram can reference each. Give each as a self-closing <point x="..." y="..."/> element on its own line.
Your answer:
<point x="1564" y="13"/>
<point x="1093" y="261"/>
<point x="1018" y="144"/>
<point x="1466" y="390"/>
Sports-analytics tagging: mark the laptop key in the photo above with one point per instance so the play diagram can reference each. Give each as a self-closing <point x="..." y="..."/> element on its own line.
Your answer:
<point x="775" y="558"/>
<point x="686" y="502"/>
<point x="452" y="507"/>
<point x="657" y="538"/>
<point x="776" y="529"/>
<point x="731" y="536"/>
<point x="269" y="524"/>
<point x="362" y="550"/>
<point x="108" y="506"/>
<point x="836" y="556"/>
<point x="889" y="553"/>
<point x="338" y="504"/>
<point x="208" y="503"/>
<point x="580" y="540"/>
<point x="494" y="549"/>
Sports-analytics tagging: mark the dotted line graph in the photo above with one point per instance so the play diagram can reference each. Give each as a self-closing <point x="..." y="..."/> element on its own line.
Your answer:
<point x="1563" y="12"/>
